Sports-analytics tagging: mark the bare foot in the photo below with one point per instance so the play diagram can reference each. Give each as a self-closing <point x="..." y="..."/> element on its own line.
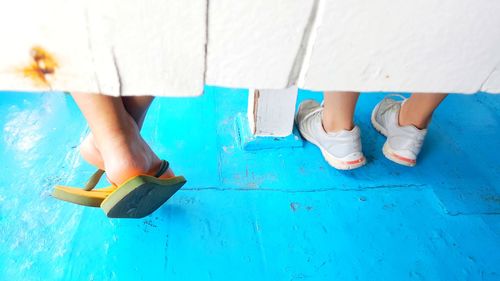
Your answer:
<point x="90" y="153"/>
<point x="122" y="155"/>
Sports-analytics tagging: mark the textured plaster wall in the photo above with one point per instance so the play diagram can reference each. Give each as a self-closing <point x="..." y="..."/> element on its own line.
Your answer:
<point x="172" y="48"/>
<point x="444" y="46"/>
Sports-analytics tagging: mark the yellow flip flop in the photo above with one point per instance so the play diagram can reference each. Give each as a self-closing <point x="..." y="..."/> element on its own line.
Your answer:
<point x="137" y="197"/>
<point x="87" y="196"/>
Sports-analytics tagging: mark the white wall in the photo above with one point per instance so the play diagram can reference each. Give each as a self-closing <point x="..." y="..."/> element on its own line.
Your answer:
<point x="115" y="47"/>
<point x="423" y="46"/>
<point x="160" y="47"/>
<point x="255" y="42"/>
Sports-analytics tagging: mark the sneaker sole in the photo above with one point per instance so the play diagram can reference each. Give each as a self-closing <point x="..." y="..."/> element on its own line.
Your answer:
<point x="333" y="161"/>
<point x="389" y="153"/>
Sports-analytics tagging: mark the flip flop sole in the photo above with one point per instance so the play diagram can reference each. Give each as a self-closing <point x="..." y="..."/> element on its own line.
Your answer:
<point x="82" y="197"/>
<point x="140" y="196"/>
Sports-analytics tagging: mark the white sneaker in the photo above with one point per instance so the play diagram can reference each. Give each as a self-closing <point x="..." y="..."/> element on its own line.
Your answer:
<point x="403" y="142"/>
<point x="342" y="150"/>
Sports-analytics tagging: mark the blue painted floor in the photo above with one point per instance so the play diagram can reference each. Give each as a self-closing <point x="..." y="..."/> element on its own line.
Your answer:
<point x="280" y="214"/>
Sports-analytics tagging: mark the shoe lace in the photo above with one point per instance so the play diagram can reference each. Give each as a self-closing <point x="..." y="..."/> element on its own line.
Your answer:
<point x="395" y="95"/>
<point x="316" y="111"/>
<point x="393" y="105"/>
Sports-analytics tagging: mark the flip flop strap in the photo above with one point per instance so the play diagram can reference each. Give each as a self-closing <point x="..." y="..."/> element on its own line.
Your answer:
<point x="94" y="180"/>
<point x="163" y="168"/>
<point x="96" y="177"/>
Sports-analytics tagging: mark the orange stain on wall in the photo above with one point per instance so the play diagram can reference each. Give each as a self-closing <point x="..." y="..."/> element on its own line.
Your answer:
<point x="43" y="65"/>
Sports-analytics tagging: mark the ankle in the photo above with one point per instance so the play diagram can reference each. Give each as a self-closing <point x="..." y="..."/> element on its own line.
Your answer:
<point x="408" y="117"/>
<point x="128" y="129"/>
<point x="127" y="162"/>
<point x="125" y="132"/>
<point x="336" y="126"/>
<point x="128" y="156"/>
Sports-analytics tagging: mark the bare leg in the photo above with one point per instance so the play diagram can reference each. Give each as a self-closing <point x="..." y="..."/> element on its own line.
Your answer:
<point x="418" y="109"/>
<point x="116" y="136"/>
<point x="338" y="110"/>
<point x="137" y="107"/>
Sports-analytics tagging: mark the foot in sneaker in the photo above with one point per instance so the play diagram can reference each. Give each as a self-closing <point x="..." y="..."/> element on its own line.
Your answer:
<point x="342" y="149"/>
<point x="403" y="142"/>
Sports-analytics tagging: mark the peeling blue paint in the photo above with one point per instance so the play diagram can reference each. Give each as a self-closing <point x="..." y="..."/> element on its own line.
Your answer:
<point x="248" y="141"/>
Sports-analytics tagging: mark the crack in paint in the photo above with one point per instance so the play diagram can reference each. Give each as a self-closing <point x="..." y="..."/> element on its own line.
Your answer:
<point x="308" y="39"/>
<point x="481" y="86"/>
<point x="312" y="190"/>
<point x="207" y="9"/>
<point x="486" y="213"/>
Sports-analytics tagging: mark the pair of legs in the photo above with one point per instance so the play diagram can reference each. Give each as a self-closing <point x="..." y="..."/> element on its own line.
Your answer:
<point x="331" y="128"/>
<point x="339" y="110"/>
<point x="115" y="144"/>
<point x="117" y="147"/>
